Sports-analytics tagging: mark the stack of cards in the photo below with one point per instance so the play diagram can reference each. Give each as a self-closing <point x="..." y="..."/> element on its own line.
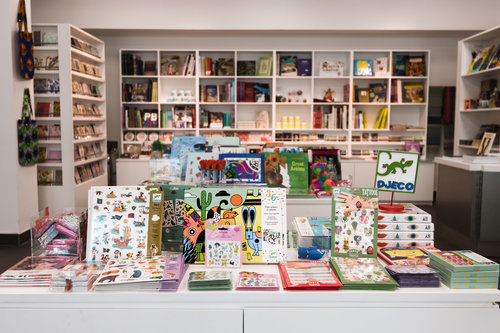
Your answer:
<point x="362" y="273"/>
<point x="256" y="281"/>
<point x="173" y="273"/>
<point x="210" y="280"/>
<point x="308" y="275"/>
<point x="414" y="276"/>
<point x="465" y="269"/>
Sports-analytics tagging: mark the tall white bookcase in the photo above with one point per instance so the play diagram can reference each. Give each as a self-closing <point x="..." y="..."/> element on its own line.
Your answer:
<point x="405" y="121"/>
<point x="468" y="121"/>
<point x="77" y="157"/>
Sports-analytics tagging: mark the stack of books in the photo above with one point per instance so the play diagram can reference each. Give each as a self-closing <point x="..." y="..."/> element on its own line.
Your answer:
<point x="210" y="280"/>
<point x="362" y="274"/>
<point x="412" y="227"/>
<point x="465" y="269"/>
<point x="414" y="276"/>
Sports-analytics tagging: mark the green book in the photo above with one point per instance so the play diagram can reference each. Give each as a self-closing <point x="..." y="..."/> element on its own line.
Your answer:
<point x="289" y="170"/>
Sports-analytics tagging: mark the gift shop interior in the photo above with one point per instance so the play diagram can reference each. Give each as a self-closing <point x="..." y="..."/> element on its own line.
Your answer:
<point x="281" y="158"/>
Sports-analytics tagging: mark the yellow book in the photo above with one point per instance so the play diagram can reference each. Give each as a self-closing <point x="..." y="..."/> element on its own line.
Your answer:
<point x="383" y="122"/>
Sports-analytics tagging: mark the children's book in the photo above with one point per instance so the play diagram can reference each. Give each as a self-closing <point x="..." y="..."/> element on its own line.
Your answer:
<point x="244" y="168"/>
<point x="411" y="213"/>
<point x="256" y="281"/>
<point x="288" y="66"/>
<point x="261" y="212"/>
<point x="246" y="68"/>
<point x="362" y="273"/>
<point x="308" y="275"/>
<point x="288" y="170"/>
<point x="355" y="218"/>
<point x="131" y="274"/>
<point x="404" y="256"/>
<point x="117" y="222"/>
<point x="464" y="260"/>
<point x="304" y="67"/>
<point x="363" y="67"/>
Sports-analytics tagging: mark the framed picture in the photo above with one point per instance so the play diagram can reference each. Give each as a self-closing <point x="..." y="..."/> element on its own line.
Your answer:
<point x="486" y="143"/>
<point x="264" y="67"/>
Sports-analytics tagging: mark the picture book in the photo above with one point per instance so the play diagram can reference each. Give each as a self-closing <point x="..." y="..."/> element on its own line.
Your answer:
<point x="117" y="222"/>
<point x="308" y="275"/>
<point x="223" y="245"/>
<point x="211" y="94"/>
<point x="288" y="170"/>
<point x="42" y="109"/>
<point x="378" y="92"/>
<point x="246" y="68"/>
<point x="244" y="168"/>
<point x="261" y="212"/>
<point x="131" y="274"/>
<point x="355" y="217"/>
<point x="399" y="64"/>
<point x="413" y="92"/>
<point x="183" y="145"/>
<point x="362" y="273"/>
<point x="210" y="280"/>
<point x="169" y="65"/>
<point x="331" y="68"/>
<point x="193" y="169"/>
<point x="495" y="58"/>
<point x="480" y="59"/>
<point x="363" y="67"/>
<point x="304" y="67"/>
<point x="265" y="66"/>
<point x="288" y="66"/>
<point x="331" y="160"/>
<point x="411" y="213"/>
<point x="257" y="281"/>
<point x="314" y="231"/>
<point x="404" y="256"/>
<point x="415" y="65"/>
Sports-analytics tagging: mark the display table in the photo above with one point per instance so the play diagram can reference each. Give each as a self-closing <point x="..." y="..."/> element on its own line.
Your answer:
<point x="412" y="310"/>
<point x="467" y="205"/>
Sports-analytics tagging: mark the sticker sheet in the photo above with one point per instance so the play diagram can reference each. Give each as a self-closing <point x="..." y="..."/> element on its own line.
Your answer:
<point x="173" y="217"/>
<point x="132" y="270"/>
<point x="246" y="168"/>
<point x="355" y="212"/>
<point x="118" y="222"/>
<point x="223" y="246"/>
<point x="361" y="270"/>
<point x="261" y="212"/>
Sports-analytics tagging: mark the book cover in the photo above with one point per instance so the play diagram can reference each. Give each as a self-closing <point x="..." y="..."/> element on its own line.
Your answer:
<point x="264" y="66"/>
<point x="42" y="109"/>
<point x="118" y="222"/>
<point x="247" y="168"/>
<point x="332" y="68"/>
<point x="246" y="68"/>
<point x="223" y="245"/>
<point x="480" y="59"/>
<point x="462" y="261"/>
<point x="304" y="67"/>
<point x="355" y="217"/>
<point x="173" y="217"/>
<point x="399" y="64"/>
<point x="378" y="92"/>
<point x="224" y="67"/>
<point x="363" y="67"/>
<point x="413" y="93"/>
<point x="169" y="65"/>
<point x="288" y="66"/>
<point x="261" y="212"/>
<point x="363" y="95"/>
<point x="308" y="275"/>
<point x="288" y="170"/>
<point x="415" y="65"/>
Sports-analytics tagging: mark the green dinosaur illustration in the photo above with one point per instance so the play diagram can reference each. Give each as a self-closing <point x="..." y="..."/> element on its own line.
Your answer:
<point x="403" y="164"/>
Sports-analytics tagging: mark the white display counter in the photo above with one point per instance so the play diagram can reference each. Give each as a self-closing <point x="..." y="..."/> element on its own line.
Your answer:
<point x="412" y="310"/>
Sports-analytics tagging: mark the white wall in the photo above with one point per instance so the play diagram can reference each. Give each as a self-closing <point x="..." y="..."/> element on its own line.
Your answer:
<point x="18" y="185"/>
<point x="271" y="14"/>
<point x="443" y="47"/>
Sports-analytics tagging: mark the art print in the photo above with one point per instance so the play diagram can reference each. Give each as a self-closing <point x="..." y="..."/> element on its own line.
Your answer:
<point x="355" y="214"/>
<point x="245" y="168"/>
<point x="118" y="222"/>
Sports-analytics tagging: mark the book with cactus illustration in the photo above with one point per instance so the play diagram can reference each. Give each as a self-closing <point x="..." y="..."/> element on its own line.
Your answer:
<point x="261" y="212"/>
<point x="354" y="222"/>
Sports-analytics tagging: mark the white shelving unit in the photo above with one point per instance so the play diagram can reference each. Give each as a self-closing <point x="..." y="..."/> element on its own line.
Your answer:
<point x="68" y="192"/>
<point x="468" y="122"/>
<point x="412" y="115"/>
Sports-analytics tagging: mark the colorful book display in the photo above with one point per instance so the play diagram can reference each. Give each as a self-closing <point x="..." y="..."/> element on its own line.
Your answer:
<point x="313" y="231"/>
<point x="143" y="273"/>
<point x="261" y="212"/>
<point x="118" y="222"/>
<point x="210" y="280"/>
<point x="256" y="281"/>
<point x="465" y="269"/>
<point x="311" y="275"/>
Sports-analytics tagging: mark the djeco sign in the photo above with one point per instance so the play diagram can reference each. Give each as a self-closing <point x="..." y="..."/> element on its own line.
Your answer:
<point x="396" y="171"/>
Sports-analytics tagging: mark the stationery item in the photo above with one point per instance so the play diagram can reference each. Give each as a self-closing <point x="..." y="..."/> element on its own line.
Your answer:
<point x="414" y="276"/>
<point x="404" y="256"/>
<point x="257" y="281"/>
<point x="222" y="245"/>
<point x="355" y="215"/>
<point x="362" y="273"/>
<point x="308" y="275"/>
<point x="131" y="274"/>
<point x="118" y="222"/>
<point x="261" y="212"/>
<point x="173" y="217"/>
<point x="210" y="280"/>
<point x="403" y="243"/>
<point x="175" y="268"/>
<point x="247" y="168"/>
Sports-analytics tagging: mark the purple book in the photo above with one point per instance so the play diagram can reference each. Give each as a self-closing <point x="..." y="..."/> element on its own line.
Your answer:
<point x="173" y="272"/>
<point x="304" y="67"/>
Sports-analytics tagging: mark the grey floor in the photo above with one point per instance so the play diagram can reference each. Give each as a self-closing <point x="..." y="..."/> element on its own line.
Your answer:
<point x="9" y="255"/>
